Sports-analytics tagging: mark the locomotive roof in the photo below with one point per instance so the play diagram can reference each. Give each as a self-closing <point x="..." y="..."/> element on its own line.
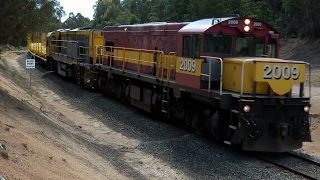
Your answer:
<point x="80" y="29"/>
<point x="198" y="26"/>
<point x="203" y="24"/>
<point x="154" y="23"/>
<point x="152" y="26"/>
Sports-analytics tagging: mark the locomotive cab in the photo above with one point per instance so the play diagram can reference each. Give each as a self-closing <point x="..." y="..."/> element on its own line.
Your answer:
<point x="231" y="37"/>
<point x="239" y="59"/>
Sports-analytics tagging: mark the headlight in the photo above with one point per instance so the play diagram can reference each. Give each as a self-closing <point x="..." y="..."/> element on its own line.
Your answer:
<point x="246" y="28"/>
<point x="246" y="108"/>
<point x="306" y="109"/>
<point x="247" y="21"/>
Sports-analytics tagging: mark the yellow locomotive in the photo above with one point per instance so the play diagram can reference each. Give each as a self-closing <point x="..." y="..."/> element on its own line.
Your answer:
<point x="221" y="76"/>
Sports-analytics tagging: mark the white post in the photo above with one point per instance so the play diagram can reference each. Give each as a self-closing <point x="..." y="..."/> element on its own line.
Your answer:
<point x="30" y="64"/>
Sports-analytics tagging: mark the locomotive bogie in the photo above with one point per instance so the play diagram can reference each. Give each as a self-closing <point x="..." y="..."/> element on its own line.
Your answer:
<point x="64" y="69"/>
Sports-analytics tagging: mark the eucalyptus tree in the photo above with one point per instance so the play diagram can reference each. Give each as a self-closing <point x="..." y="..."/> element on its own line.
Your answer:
<point x="23" y="17"/>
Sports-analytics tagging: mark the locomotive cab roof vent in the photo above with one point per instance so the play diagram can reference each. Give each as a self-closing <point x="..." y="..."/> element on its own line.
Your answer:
<point x="226" y="15"/>
<point x="218" y="18"/>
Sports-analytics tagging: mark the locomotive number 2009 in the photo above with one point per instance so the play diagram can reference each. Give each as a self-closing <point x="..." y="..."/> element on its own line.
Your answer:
<point x="188" y="65"/>
<point x="279" y="72"/>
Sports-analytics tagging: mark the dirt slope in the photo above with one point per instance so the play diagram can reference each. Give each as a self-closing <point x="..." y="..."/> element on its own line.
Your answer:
<point x="309" y="51"/>
<point x="304" y="50"/>
<point x="31" y="146"/>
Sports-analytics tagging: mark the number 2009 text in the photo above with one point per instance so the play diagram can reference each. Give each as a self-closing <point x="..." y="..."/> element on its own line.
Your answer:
<point x="188" y="65"/>
<point x="278" y="72"/>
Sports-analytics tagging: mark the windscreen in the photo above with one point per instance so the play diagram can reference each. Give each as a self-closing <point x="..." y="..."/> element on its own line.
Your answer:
<point x="218" y="43"/>
<point x="246" y="45"/>
<point x="250" y="45"/>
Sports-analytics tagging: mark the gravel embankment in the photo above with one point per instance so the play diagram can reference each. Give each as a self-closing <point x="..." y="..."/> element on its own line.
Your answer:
<point x="145" y="148"/>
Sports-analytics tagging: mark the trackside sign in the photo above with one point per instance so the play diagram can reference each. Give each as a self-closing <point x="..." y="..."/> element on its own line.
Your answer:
<point x="30" y="63"/>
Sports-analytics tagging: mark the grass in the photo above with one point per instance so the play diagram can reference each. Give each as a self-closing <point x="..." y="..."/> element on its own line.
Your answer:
<point x="41" y="106"/>
<point x="4" y="61"/>
<point x="30" y="91"/>
<point x="14" y="74"/>
<point x="7" y="47"/>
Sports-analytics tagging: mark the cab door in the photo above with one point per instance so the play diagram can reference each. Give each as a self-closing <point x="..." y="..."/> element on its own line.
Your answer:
<point x="188" y="67"/>
<point x="191" y="46"/>
<point x="272" y="46"/>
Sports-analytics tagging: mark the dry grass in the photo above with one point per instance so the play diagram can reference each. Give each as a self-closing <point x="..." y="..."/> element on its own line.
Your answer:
<point x="303" y="50"/>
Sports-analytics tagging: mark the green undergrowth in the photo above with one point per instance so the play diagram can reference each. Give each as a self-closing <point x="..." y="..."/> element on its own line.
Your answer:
<point x="4" y="61"/>
<point x="7" y="47"/>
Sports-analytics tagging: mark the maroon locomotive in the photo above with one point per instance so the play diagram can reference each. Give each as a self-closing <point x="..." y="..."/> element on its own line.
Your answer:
<point x="221" y="76"/>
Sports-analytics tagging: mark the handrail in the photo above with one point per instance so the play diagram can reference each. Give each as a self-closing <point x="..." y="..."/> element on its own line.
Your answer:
<point x="242" y="73"/>
<point x="96" y="55"/>
<point x="65" y="48"/>
<point x="65" y="40"/>
<point x="309" y="79"/>
<point x="174" y="54"/>
<point x="160" y="63"/>
<point x="139" y="62"/>
<point x="209" y="75"/>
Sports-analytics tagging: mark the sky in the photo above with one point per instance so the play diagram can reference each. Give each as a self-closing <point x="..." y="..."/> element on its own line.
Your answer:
<point x="85" y="7"/>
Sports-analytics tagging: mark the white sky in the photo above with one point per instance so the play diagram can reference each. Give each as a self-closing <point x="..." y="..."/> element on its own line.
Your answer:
<point x="85" y="7"/>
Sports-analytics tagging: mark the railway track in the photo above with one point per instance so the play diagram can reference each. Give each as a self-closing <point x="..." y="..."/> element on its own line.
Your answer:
<point x="303" y="166"/>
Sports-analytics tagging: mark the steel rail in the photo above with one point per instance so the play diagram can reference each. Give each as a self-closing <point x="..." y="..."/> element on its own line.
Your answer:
<point x="304" y="174"/>
<point x="304" y="158"/>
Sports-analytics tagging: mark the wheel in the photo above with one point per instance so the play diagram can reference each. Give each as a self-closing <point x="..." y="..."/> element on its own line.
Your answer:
<point x="199" y="122"/>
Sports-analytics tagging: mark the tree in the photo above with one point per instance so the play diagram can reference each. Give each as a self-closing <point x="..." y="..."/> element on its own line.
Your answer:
<point x="27" y="16"/>
<point x="111" y="13"/>
<point x="75" y="21"/>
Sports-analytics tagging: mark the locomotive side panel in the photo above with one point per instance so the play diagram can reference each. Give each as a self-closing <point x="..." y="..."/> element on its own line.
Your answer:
<point x="143" y="48"/>
<point x="95" y="41"/>
<point x="188" y="72"/>
<point x="233" y="79"/>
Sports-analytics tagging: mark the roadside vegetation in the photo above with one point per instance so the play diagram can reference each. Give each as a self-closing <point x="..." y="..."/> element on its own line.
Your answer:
<point x="291" y="18"/>
<point x="4" y="61"/>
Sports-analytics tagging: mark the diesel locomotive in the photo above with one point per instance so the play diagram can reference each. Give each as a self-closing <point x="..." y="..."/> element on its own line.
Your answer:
<point x="221" y="76"/>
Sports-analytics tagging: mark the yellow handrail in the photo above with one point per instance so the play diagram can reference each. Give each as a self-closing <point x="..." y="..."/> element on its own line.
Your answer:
<point x="123" y="58"/>
<point x="172" y="56"/>
<point x="163" y="62"/>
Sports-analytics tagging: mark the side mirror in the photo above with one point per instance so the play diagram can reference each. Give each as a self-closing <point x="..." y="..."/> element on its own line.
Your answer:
<point x="269" y="50"/>
<point x="274" y="36"/>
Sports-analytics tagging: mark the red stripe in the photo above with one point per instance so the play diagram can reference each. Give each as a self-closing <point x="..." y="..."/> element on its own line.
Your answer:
<point x="188" y="80"/>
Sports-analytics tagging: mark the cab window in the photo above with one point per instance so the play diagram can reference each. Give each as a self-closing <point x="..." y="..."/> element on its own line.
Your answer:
<point x="218" y="43"/>
<point x="191" y="46"/>
<point x="249" y="45"/>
